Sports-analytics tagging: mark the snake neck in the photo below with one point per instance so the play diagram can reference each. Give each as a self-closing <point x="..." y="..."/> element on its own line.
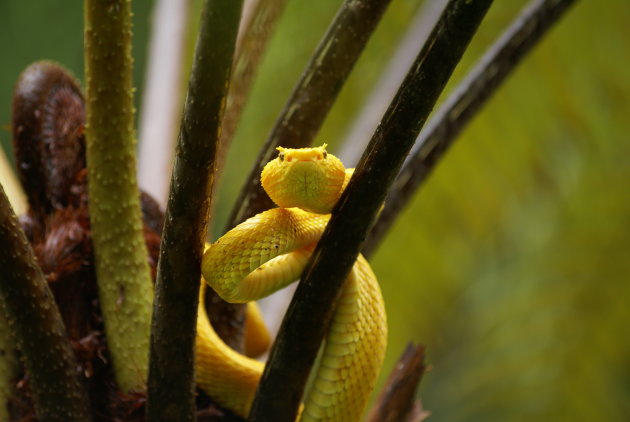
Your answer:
<point x="263" y="254"/>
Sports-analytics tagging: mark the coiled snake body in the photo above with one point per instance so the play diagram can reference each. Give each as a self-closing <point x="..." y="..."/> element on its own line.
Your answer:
<point x="269" y="251"/>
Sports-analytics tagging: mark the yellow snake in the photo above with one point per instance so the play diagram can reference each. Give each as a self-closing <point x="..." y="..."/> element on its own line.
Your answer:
<point x="269" y="251"/>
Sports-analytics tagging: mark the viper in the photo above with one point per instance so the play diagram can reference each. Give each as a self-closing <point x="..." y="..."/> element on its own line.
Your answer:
<point x="269" y="251"/>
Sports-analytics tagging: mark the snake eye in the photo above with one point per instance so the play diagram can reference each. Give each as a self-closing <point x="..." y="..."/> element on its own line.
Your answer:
<point x="281" y="156"/>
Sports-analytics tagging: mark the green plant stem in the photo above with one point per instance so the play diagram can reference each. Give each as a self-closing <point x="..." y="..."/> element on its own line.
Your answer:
<point x="466" y="101"/>
<point x="37" y="328"/>
<point x="313" y="96"/>
<point x="171" y="380"/>
<point x="122" y="271"/>
<point x="309" y="314"/>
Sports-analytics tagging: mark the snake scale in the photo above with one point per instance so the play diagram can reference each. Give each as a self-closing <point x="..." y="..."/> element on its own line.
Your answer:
<point x="268" y="252"/>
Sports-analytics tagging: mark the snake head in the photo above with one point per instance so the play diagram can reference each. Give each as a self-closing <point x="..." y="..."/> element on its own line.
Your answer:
<point x="308" y="178"/>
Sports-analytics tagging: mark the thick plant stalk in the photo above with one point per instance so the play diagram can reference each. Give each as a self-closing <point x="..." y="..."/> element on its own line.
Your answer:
<point x="466" y="101"/>
<point x="309" y="314"/>
<point x="313" y="96"/>
<point x="123" y="277"/>
<point x="37" y="327"/>
<point x="8" y="363"/>
<point x="171" y="380"/>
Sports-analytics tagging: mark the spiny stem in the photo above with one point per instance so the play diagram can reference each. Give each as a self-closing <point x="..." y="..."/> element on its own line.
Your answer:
<point x="309" y="314"/>
<point x="8" y="363"/>
<point x="122" y="271"/>
<point x="37" y="328"/>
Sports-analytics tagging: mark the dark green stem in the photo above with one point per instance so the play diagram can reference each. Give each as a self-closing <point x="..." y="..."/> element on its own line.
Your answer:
<point x="37" y="327"/>
<point x="466" y="101"/>
<point x="171" y="374"/>
<point x="313" y="97"/>
<point x="122" y="271"/>
<point x="308" y="317"/>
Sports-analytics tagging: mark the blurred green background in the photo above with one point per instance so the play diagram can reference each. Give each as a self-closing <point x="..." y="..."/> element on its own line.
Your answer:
<point x="513" y="263"/>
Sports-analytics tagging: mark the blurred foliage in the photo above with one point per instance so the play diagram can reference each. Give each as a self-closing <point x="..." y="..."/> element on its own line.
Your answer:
<point x="512" y="263"/>
<point x="31" y="30"/>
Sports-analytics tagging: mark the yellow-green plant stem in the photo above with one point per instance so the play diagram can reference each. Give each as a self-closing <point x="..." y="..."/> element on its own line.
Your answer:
<point x="122" y="271"/>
